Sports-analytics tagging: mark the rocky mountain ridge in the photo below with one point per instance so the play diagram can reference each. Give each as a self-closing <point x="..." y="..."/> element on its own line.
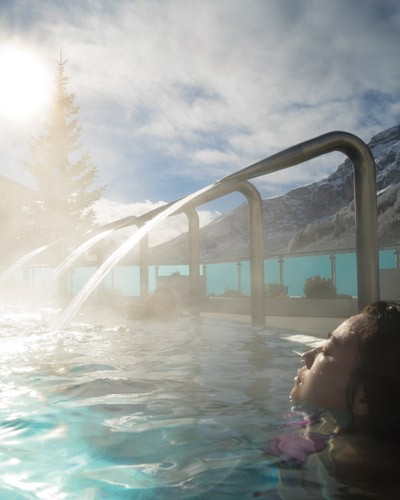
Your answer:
<point x="317" y="216"/>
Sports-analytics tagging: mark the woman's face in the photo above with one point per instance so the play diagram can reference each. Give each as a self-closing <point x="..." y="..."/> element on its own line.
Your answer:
<point x="327" y="370"/>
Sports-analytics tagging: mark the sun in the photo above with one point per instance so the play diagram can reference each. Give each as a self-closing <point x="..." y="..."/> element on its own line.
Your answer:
<point x="24" y="83"/>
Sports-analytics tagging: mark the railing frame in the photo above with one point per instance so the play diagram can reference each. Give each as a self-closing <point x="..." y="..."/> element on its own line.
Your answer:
<point x="364" y="197"/>
<point x="365" y="211"/>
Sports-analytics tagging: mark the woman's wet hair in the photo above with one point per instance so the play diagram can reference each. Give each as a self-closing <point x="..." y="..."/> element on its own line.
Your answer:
<point x="378" y="370"/>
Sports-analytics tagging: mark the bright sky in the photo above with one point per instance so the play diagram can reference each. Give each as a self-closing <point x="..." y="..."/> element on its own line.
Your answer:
<point x="176" y="94"/>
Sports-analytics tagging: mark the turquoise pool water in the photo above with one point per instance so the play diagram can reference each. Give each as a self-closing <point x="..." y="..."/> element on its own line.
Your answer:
<point x="117" y="410"/>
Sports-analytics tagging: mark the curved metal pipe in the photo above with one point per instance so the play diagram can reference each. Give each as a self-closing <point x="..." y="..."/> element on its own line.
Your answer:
<point x="256" y="239"/>
<point x="364" y="196"/>
<point x="194" y="261"/>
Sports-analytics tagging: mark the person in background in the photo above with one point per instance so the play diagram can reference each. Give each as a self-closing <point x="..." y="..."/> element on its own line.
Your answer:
<point x="160" y="305"/>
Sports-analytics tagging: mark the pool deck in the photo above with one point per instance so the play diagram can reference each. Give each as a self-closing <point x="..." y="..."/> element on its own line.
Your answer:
<point x="317" y="327"/>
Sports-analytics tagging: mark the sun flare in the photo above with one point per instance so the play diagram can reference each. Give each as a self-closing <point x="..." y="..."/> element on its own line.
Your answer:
<point x="24" y="83"/>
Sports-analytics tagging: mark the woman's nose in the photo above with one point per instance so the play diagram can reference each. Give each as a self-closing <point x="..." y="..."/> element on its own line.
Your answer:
<point x="308" y="358"/>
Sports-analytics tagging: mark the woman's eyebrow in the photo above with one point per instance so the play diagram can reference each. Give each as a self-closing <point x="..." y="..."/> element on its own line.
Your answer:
<point x="332" y="338"/>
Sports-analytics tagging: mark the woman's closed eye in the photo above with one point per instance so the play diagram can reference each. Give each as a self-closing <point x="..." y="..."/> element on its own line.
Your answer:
<point x="328" y="351"/>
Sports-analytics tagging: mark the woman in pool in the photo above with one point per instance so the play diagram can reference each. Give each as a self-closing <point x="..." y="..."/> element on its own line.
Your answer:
<point x="358" y="370"/>
<point x="351" y="386"/>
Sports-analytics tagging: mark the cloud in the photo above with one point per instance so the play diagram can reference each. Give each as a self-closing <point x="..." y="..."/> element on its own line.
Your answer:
<point x="315" y="58"/>
<point x="185" y="91"/>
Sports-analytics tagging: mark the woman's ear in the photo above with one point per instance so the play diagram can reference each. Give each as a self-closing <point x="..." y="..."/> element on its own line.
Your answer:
<point x="360" y="405"/>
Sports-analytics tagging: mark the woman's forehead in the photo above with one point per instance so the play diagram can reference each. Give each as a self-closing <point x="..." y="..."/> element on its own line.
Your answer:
<point x="350" y="329"/>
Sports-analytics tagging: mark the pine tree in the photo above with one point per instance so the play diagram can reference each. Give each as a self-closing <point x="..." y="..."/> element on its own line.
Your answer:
<point x="64" y="176"/>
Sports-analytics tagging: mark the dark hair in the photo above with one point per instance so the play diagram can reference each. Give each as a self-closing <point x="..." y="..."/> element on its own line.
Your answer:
<point x="378" y="369"/>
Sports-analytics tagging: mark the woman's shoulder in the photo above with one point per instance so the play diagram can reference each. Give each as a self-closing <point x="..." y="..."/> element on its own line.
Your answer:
<point x="365" y="462"/>
<point x="352" y="447"/>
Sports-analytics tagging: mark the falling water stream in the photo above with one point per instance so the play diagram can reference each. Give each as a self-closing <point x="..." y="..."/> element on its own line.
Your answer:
<point x="84" y="247"/>
<point x="120" y="252"/>
<point x="72" y="257"/>
<point x="23" y="260"/>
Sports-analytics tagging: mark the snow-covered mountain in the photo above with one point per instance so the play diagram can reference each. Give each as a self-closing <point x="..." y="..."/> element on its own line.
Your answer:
<point x="318" y="216"/>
